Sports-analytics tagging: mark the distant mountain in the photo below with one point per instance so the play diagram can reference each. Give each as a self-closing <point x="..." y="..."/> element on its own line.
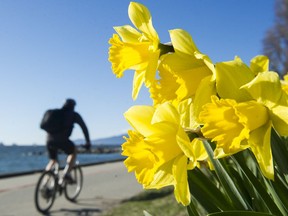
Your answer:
<point x="114" y="140"/>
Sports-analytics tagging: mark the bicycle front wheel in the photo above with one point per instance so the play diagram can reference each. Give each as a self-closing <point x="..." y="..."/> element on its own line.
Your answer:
<point x="45" y="191"/>
<point x="73" y="188"/>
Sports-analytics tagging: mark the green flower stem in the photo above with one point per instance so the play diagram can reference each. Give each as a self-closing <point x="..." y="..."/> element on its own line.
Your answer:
<point x="165" y="48"/>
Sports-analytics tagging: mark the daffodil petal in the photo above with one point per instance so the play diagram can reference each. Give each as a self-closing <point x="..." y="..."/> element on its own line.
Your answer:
<point x="163" y="177"/>
<point x="259" y="63"/>
<point x="137" y="83"/>
<point x="181" y="192"/>
<point x="163" y="142"/>
<point x="128" y="33"/>
<point x="151" y="67"/>
<point x="166" y="112"/>
<point x="207" y="62"/>
<point x="198" y="149"/>
<point x="265" y="88"/>
<point x="230" y="76"/>
<point x="184" y="143"/>
<point x="182" y="42"/>
<point x="189" y="73"/>
<point x="253" y="114"/>
<point x="184" y="109"/>
<point x="141" y="18"/>
<point x="261" y="148"/>
<point x="205" y="90"/>
<point x="139" y="117"/>
<point x="279" y="117"/>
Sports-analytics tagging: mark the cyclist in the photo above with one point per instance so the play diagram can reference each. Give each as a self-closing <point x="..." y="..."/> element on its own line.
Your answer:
<point x="60" y="139"/>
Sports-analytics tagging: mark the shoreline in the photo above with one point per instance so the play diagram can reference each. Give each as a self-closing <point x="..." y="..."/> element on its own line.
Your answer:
<point x="9" y="175"/>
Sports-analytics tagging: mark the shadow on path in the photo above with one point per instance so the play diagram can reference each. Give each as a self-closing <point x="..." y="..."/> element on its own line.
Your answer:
<point x="82" y="211"/>
<point x="76" y="212"/>
<point x="83" y="207"/>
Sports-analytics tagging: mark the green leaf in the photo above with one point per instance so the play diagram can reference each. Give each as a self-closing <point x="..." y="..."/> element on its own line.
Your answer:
<point x="258" y="186"/>
<point x="239" y="213"/>
<point x="226" y="181"/>
<point x="241" y="183"/>
<point x="281" y="190"/>
<point x="248" y="160"/>
<point x="280" y="153"/>
<point x="192" y="211"/>
<point x="206" y="193"/>
<point x="276" y="195"/>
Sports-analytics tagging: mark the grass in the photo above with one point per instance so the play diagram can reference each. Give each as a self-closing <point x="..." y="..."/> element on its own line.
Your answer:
<point x="156" y="202"/>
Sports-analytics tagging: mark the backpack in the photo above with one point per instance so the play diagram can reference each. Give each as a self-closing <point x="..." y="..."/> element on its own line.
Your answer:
<point x="53" y="121"/>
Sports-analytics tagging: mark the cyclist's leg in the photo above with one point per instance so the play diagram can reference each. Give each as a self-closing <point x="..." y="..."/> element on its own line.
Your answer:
<point x="52" y="154"/>
<point x="50" y="164"/>
<point x="70" y="162"/>
<point x="70" y="149"/>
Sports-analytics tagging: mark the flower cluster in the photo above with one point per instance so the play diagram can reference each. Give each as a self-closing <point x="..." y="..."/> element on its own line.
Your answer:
<point x="229" y="103"/>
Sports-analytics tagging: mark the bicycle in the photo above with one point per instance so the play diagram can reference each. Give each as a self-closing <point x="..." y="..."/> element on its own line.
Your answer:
<point x="48" y="186"/>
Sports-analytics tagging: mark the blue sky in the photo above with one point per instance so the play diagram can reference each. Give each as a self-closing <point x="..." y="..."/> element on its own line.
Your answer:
<point x="52" y="50"/>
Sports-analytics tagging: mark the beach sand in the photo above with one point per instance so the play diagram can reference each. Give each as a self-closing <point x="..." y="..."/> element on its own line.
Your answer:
<point x="105" y="186"/>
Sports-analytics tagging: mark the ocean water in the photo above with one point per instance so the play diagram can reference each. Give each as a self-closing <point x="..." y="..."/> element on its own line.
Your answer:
<point x="19" y="159"/>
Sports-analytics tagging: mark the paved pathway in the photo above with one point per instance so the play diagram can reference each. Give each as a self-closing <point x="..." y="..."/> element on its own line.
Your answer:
<point x="105" y="186"/>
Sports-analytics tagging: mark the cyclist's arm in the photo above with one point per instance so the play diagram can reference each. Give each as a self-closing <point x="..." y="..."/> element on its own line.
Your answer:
<point x="81" y="123"/>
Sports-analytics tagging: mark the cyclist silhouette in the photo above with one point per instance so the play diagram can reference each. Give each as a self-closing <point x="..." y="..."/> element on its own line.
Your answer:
<point x="60" y="139"/>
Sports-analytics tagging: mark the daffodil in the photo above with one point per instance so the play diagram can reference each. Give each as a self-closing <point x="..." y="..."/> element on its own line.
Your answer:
<point x="236" y="126"/>
<point x="136" y="48"/>
<point x="158" y="149"/>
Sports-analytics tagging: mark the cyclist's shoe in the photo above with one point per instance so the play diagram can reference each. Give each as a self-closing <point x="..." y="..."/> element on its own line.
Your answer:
<point x="68" y="179"/>
<point x="46" y="192"/>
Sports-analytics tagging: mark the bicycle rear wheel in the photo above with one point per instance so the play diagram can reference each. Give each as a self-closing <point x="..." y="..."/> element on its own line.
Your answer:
<point x="45" y="191"/>
<point x="73" y="189"/>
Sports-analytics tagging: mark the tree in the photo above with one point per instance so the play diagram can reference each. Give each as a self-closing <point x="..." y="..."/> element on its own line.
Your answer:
<point x="275" y="43"/>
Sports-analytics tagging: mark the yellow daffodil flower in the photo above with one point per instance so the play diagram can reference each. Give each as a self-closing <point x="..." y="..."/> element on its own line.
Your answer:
<point x="139" y="51"/>
<point x="235" y="126"/>
<point x="159" y="149"/>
